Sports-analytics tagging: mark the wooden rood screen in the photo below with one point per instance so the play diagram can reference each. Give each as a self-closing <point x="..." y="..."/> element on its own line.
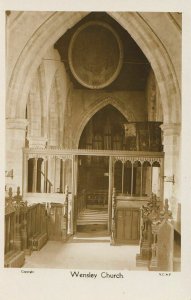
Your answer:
<point x="128" y="166"/>
<point x="132" y="173"/>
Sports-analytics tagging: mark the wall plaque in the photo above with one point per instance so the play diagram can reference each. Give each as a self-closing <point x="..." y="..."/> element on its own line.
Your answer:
<point x="95" y="55"/>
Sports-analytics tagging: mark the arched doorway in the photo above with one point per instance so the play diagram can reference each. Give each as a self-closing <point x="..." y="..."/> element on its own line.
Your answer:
<point x="104" y="131"/>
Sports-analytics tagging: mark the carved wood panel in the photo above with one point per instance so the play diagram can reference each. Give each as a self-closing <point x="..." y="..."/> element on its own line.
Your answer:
<point x="128" y="226"/>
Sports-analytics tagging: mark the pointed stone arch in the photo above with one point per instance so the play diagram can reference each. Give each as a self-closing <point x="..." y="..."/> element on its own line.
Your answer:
<point x="58" y="23"/>
<point x="92" y="110"/>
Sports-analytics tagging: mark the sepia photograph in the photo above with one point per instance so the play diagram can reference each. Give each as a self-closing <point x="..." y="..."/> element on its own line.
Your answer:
<point x="93" y="141"/>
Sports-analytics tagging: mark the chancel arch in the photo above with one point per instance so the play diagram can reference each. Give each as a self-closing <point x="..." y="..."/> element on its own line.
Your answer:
<point x="57" y="23"/>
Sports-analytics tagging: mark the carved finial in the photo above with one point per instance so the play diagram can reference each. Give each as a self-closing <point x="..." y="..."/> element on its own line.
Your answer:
<point x="10" y="192"/>
<point x="166" y="213"/>
<point x="18" y="191"/>
<point x="10" y="198"/>
<point x="166" y="206"/>
<point x="154" y="199"/>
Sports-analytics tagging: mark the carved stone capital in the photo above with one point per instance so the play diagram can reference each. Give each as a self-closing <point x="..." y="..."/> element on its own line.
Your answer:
<point x="37" y="142"/>
<point x="171" y="129"/>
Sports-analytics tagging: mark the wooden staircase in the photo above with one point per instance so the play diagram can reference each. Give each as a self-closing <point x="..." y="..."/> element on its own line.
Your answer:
<point x="92" y="220"/>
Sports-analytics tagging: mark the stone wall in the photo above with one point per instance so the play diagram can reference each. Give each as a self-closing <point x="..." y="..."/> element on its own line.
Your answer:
<point x="83" y="104"/>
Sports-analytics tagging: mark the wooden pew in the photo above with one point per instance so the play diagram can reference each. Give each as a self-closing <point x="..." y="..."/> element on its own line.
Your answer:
<point x="37" y="226"/>
<point x="14" y="257"/>
<point x="25" y="229"/>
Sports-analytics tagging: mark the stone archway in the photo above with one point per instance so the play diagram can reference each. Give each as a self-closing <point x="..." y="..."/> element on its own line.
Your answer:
<point x="128" y="114"/>
<point x="51" y="29"/>
<point x="57" y="24"/>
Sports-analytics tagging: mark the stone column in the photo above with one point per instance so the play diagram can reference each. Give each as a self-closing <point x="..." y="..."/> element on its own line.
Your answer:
<point x="73" y="192"/>
<point x="75" y="175"/>
<point x="171" y="143"/>
<point x="15" y="141"/>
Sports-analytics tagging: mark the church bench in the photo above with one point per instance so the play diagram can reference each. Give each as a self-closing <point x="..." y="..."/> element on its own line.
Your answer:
<point x="14" y="259"/>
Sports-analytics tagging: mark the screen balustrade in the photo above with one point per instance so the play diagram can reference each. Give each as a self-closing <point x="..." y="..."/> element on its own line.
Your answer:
<point x="137" y="178"/>
<point x="134" y="173"/>
<point x="48" y="170"/>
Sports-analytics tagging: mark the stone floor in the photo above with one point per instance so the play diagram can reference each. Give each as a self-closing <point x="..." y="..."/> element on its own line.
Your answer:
<point x="85" y="251"/>
<point x="90" y="251"/>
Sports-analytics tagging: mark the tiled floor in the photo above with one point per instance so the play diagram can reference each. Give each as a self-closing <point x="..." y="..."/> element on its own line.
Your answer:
<point x="85" y="251"/>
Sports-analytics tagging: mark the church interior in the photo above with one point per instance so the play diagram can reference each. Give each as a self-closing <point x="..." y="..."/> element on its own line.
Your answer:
<point x="93" y="140"/>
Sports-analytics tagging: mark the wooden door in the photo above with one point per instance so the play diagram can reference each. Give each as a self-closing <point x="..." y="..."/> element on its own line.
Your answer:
<point x="57" y="222"/>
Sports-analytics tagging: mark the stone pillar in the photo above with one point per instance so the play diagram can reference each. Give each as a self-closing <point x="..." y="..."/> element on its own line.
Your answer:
<point x="171" y="143"/>
<point x="73" y="192"/>
<point x="15" y="141"/>
<point x="75" y="175"/>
